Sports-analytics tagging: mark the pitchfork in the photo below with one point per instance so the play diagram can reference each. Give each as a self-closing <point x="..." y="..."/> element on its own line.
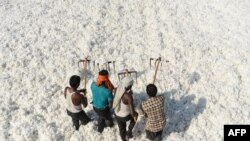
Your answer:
<point x="86" y="64"/>
<point x="107" y="65"/>
<point x="126" y="72"/>
<point x="157" y="62"/>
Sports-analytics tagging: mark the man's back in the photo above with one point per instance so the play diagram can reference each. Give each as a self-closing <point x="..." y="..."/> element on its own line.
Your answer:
<point x="154" y="108"/>
<point x="101" y="96"/>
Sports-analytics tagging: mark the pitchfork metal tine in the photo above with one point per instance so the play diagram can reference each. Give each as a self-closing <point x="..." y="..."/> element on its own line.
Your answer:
<point x="98" y="66"/>
<point x="79" y="63"/>
<point x="89" y="64"/>
<point x="94" y="64"/>
<point x="150" y="61"/>
<point x="108" y="65"/>
<point x="114" y="65"/>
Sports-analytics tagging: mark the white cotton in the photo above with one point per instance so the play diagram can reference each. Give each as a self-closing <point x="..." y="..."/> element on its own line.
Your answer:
<point x="205" y="83"/>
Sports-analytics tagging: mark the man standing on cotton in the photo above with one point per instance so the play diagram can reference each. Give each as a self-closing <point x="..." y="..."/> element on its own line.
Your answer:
<point x="74" y="101"/>
<point x="124" y="108"/>
<point x="102" y="99"/>
<point x="153" y="108"/>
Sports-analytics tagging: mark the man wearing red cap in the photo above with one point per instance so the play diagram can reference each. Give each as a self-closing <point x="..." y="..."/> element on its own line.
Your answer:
<point x="102" y="99"/>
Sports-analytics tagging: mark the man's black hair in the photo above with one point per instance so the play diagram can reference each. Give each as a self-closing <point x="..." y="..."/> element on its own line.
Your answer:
<point x="103" y="72"/>
<point x="74" y="81"/>
<point x="151" y="90"/>
<point x="128" y="88"/>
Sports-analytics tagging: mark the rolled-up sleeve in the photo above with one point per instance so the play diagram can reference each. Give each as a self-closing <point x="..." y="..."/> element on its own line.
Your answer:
<point x="110" y="96"/>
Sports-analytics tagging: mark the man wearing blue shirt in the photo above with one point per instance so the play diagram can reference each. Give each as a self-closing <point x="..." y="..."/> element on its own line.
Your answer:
<point x="102" y="100"/>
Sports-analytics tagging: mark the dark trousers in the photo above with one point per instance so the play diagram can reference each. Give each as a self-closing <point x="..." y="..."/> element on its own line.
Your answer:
<point x="154" y="136"/>
<point x="76" y="117"/>
<point x="121" y="121"/>
<point x="104" y="118"/>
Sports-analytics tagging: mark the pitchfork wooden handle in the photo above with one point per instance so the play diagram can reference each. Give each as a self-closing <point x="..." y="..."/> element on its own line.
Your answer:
<point x="157" y="66"/>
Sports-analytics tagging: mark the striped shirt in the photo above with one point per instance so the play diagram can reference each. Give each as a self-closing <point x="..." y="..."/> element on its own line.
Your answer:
<point x="154" y="108"/>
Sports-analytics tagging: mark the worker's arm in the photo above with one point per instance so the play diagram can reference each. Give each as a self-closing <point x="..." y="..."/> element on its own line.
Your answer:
<point x="129" y="100"/>
<point x="110" y="99"/>
<point x="65" y="91"/>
